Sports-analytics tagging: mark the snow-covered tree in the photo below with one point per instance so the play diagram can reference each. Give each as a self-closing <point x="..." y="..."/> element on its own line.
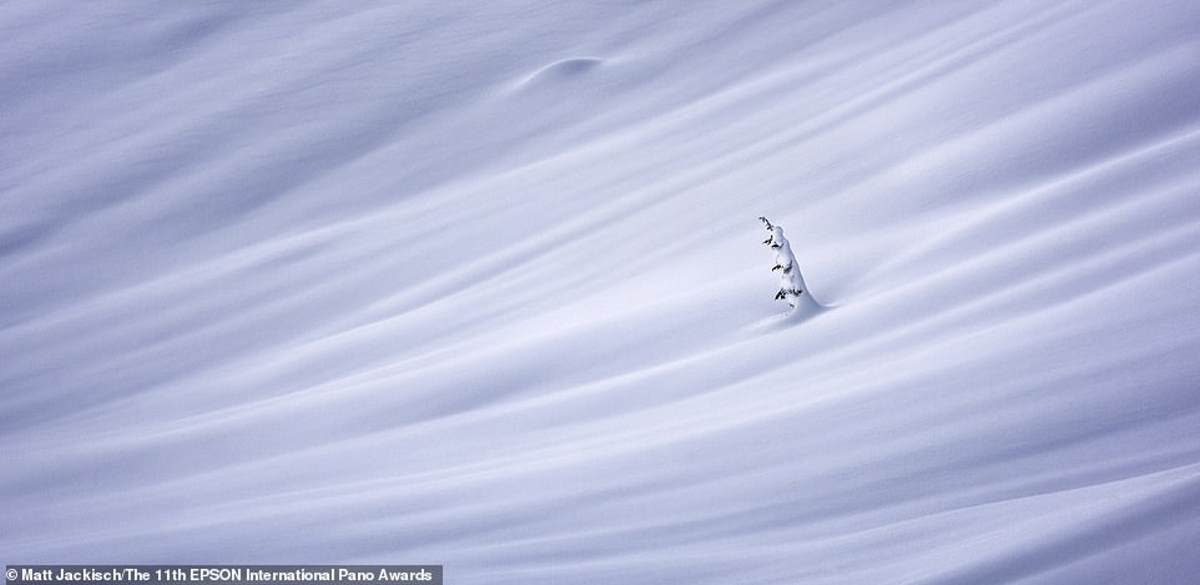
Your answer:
<point x="791" y="282"/>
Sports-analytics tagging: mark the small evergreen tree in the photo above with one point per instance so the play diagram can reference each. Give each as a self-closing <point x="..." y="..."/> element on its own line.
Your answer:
<point x="791" y="282"/>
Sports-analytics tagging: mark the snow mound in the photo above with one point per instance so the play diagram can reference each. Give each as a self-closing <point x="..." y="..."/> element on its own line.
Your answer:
<point x="565" y="69"/>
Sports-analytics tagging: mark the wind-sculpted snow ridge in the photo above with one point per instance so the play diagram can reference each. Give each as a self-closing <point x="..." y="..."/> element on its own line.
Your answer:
<point x="480" y="284"/>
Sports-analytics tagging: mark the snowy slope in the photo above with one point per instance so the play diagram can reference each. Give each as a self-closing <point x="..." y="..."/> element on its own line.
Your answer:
<point x="480" y="284"/>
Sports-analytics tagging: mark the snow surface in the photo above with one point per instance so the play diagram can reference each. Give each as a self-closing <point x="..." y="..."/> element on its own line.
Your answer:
<point x="481" y="284"/>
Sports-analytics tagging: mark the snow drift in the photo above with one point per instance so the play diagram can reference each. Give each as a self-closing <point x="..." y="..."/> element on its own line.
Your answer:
<point x="480" y="284"/>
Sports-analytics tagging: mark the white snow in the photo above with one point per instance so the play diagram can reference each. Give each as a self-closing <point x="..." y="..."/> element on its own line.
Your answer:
<point x="316" y="282"/>
<point x="792" y="289"/>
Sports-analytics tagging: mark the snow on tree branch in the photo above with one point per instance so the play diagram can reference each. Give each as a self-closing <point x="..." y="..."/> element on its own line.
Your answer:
<point x="791" y="282"/>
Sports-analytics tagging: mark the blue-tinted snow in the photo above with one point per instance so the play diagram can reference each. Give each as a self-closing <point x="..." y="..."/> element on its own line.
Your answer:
<point x="480" y="283"/>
